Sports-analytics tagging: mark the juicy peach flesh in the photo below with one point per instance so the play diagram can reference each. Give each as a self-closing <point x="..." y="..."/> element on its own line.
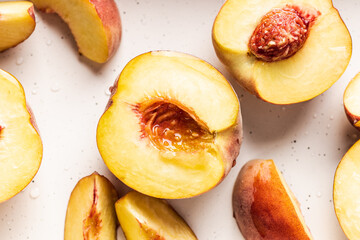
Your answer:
<point x="170" y="127"/>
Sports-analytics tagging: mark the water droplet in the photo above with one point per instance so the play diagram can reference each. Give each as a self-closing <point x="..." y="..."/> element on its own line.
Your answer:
<point x="328" y="126"/>
<point x="19" y="60"/>
<point x="318" y="194"/>
<point x="331" y="117"/>
<point x="35" y="193"/>
<point x="306" y="133"/>
<point x="107" y="92"/>
<point x="49" y="42"/>
<point x="283" y="108"/>
<point x="315" y="115"/>
<point x="34" y="92"/>
<point x="55" y="87"/>
<point x="354" y="136"/>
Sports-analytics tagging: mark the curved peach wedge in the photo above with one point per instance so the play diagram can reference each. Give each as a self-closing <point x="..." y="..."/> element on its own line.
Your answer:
<point x="352" y="101"/>
<point x="282" y="51"/>
<point x="17" y="22"/>
<point x="91" y="212"/>
<point x="95" y="24"/>
<point x="20" y="144"/>
<point x="172" y="128"/>
<point x="346" y="192"/>
<point x="263" y="205"/>
<point x="146" y="218"/>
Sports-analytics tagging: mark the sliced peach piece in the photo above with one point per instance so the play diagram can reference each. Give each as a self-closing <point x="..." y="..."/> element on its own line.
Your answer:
<point x="172" y="128"/>
<point x="282" y="51"/>
<point x="95" y="24"/>
<point x="91" y="211"/>
<point x="263" y="205"/>
<point x="20" y="144"/>
<point x="146" y="218"/>
<point x="17" y="22"/>
<point x="352" y="101"/>
<point x="347" y="192"/>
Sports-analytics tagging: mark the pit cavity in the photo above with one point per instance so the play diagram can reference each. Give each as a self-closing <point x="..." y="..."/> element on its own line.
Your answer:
<point x="92" y="224"/>
<point x="1" y="129"/>
<point x="282" y="32"/>
<point x="170" y="126"/>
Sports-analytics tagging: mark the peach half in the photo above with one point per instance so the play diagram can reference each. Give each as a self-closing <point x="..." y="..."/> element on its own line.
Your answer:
<point x="17" y="22"/>
<point x="347" y="192"/>
<point x="95" y="24"/>
<point x="172" y="127"/>
<point x="91" y="211"/>
<point x="282" y="51"/>
<point x="264" y="206"/>
<point x="20" y="144"/>
<point x="352" y="101"/>
<point x="146" y="218"/>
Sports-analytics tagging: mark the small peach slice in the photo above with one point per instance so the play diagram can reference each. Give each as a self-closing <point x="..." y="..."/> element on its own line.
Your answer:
<point x="91" y="212"/>
<point x="352" y="101"/>
<point x="172" y="128"/>
<point x="17" y="22"/>
<point x="282" y="51"/>
<point x="21" y="148"/>
<point x="263" y="205"/>
<point x="95" y="24"/>
<point x="347" y="192"/>
<point x="146" y="218"/>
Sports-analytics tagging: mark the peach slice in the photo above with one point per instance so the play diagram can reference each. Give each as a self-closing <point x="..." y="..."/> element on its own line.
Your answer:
<point x="91" y="211"/>
<point x="352" y="101"/>
<point x="263" y="205"/>
<point x="347" y="192"/>
<point x="172" y="128"/>
<point x="20" y="144"/>
<point x="146" y="218"/>
<point x="282" y="51"/>
<point x="95" y="24"/>
<point x="17" y="22"/>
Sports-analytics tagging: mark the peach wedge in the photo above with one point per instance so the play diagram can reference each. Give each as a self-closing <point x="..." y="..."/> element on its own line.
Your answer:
<point x="172" y="128"/>
<point x="91" y="210"/>
<point x="352" y="101"/>
<point x="347" y="192"/>
<point x="263" y="205"/>
<point x="20" y="144"/>
<point x="282" y="51"/>
<point x="17" y="22"/>
<point x="95" y="24"/>
<point x="146" y="218"/>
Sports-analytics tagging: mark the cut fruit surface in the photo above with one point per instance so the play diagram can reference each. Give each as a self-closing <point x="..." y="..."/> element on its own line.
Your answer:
<point x="172" y="128"/>
<point x="282" y="70"/>
<point x="145" y="218"/>
<point x="95" y="24"/>
<point x="347" y="192"/>
<point x="17" y="22"/>
<point x="91" y="211"/>
<point x="352" y="101"/>
<point x="20" y="144"/>
<point x="264" y="206"/>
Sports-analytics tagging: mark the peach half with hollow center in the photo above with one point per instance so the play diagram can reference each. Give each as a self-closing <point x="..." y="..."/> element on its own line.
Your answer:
<point x="352" y="101"/>
<point x="146" y="218"/>
<point x="282" y="51"/>
<point x="17" y="23"/>
<point x="264" y="206"/>
<point x="21" y="148"/>
<point x="172" y="128"/>
<point x="91" y="210"/>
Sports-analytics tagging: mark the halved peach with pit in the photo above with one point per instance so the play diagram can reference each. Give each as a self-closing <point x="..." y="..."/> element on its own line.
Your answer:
<point x="282" y="51"/>
<point x="172" y="128"/>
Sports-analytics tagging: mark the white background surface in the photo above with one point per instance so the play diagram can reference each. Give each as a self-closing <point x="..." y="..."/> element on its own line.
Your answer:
<point x="68" y="95"/>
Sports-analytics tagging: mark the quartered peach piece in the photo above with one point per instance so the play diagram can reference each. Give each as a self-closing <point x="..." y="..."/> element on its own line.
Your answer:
<point x="91" y="211"/>
<point x="352" y="101"/>
<point x="146" y="218"/>
<point x="264" y="206"/>
<point x="282" y="51"/>
<point x="20" y="144"/>
<point x="172" y="128"/>
<point x="95" y="24"/>
<point x="17" y="22"/>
